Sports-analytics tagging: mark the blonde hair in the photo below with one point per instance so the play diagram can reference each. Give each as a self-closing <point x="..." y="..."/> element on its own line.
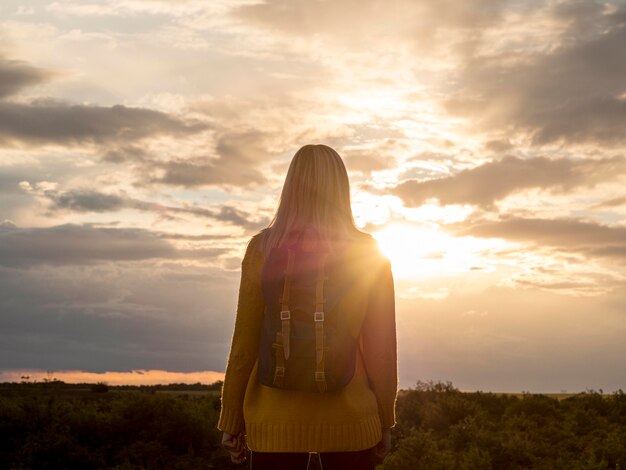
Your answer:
<point x="316" y="193"/>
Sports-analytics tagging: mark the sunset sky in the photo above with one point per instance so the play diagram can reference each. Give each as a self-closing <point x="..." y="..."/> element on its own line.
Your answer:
<point x="143" y="142"/>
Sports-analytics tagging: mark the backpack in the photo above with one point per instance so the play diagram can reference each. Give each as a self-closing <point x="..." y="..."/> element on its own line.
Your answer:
<point x="304" y="342"/>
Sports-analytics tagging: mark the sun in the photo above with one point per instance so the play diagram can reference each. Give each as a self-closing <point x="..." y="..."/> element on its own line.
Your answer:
<point x="421" y="252"/>
<point x="407" y="248"/>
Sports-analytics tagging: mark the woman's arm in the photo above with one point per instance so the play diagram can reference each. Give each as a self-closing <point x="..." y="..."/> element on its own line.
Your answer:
<point x="378" y="342"/>
<point x="245" y="341"/>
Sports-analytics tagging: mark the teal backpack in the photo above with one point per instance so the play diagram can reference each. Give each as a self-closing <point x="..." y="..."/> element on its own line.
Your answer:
<point x="304" y="344"/>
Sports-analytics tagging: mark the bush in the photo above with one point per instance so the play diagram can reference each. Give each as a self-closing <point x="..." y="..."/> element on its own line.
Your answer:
<point x="441" y="427"/>
<point x="100" y="387"/>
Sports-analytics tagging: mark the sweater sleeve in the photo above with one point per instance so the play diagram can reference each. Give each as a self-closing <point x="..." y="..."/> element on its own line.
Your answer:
<point x="379" y="345"/>
<point x="245" y="341"/>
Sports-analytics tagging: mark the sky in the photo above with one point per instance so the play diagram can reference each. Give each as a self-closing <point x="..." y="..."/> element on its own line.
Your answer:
<point x="143" y="142"/>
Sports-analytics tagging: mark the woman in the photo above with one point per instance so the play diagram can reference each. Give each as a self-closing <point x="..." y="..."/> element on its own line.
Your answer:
<point x="349" y="427"/>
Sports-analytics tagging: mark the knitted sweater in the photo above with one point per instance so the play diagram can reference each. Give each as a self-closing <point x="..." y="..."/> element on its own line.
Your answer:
<point x="349" y="419"/>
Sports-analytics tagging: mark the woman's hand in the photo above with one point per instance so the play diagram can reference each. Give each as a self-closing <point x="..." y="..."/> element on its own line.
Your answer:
<point x="236" y="446"/>
<point x="384" y="446"/>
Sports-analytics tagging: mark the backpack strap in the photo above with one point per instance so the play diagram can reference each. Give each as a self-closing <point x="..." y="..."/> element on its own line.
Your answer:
<point x="285" y="313"/>
<point x="318" y="317"/>
<point x="282" y="353"/>
<point x="279" y="371"/>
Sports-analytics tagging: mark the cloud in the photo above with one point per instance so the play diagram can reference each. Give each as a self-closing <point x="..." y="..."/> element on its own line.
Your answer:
<point x="536" y="340"/>
<point x="16" y="75"/>
<point x="207" y="171"/>
<point x="578" y="283"/>
<point x="499" y="145"/>
<point x="7" y="225"/>
<point x="492" y="181"/>
<point x="350" y="73"/>
<point x="132" y="8"/>
<point x="367" y="160"/>
<point x="567" y="234"/>
<point x="104" y="317"/>
<point x="613" y="202"/>
<point x="613" y="251"/>
<point x="232" y="158"/>
<point x="571" y="92"/>
<point x="13" y="200"/>
<point x="238" y="155"/>
<point x="49" y="121"/>
<point x="72" y="244"/>
<point x="186" y="236"/>
<point x="85" y="200"/>
<point x="558" y="232"/>
<point x="238" y="217"/>
<point x="125" y="153"/>
<point x="46" y="120"/>
<point x="420" y="22"/>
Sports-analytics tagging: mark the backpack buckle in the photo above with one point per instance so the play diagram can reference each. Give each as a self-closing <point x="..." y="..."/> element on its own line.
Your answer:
<point x="320" y="376"/>
<point x="318" y="316"/>
<point x="280" y="371"/>
<point x="285" y="314"/>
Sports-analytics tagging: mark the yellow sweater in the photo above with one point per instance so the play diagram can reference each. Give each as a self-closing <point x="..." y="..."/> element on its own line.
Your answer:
<point x="348" y="419"/>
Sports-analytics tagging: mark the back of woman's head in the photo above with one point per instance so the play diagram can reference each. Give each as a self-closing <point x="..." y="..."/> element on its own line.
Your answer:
<point x="316" y="193"/>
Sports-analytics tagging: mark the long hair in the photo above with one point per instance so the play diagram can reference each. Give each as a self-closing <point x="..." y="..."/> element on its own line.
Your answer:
<point x="316" y="193"/>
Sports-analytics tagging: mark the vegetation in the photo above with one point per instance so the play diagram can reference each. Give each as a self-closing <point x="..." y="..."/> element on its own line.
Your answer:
<point x="440" y="427"/>
<point x="62" y="426"/>
<point x="98" y="426"/>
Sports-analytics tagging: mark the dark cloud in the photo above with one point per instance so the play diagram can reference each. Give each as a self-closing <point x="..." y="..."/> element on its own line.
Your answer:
<point x="207" y="172"/>
<point x="589" y="285"/>
<point x="489" y="182"/>
<point x="572" y="92"/>
<point x="16" y="74"/>
<point x="499" y="145"/>
<point x="233" y="159"/>
<point x="114" y="317"/>
<point x="228" y="214"/>
<point x="613" y="202"/>
<point x="84" y="341"/>
<point x="89" y="200"/>
<point x="72" y="244"/>
<point x="53" y="122"/>
<point x="539" y="339"/>
<point x="238" y="154"/>
<point x="124" y="154"/>
<point x="241" y="218"/>
<point x="556" y="232"/>
<point x="82" y="245"/>
<point x="568" y="234"/>
<point x="86" y="200"/>
<point x="185" y="236"/>
<point x="375" y="159"/>
<point x="611" y="251"/>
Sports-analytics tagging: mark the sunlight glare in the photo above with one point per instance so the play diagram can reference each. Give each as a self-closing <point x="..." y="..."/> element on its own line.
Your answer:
<point x="419" y="252"/>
